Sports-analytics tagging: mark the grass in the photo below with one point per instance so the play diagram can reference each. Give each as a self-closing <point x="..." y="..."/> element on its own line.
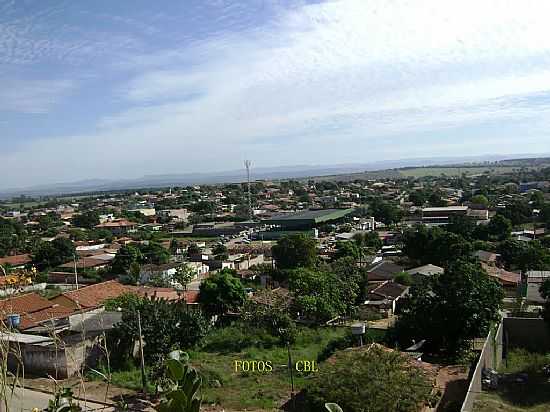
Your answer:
<point x="237" y="390"/>
<point x="258" y="390"/>
<point x="532" y="396"/>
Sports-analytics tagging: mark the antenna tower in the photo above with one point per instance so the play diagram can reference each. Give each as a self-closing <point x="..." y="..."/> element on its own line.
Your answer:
<point x="247" y="164"/>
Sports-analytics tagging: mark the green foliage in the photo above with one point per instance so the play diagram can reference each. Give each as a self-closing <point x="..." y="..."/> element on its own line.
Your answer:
<point x="375" y="378"/>
<point x="154" y="253"/>
<point x="150" y="253"/>
<point x="524" y="255"/>
<point x="184" y="274"/>
<point x="449" y="309"/>
<point x="165" y="326"/>
<point x="499" y="227"/>
<point x="295" y="251"/>
<point x="239" y="336"/>
<point x="124" y="258"/>
<point x="221" y="293"/>
<point x="480" y="200"/>
<point x="86" y="220"/>
<point x="368" y="239"/>
<point x="347" y="249"/>
<point x="518" y="212"/>
<point x="63" y="401"/>
<point x="461" y="225"/>
<point x="435" y="245"/>
<point x="54" y="253"/>
<point x="385" y="212"/>
<point x="403" y="278"/>
<point x="272" y="317"/>
<point x="317" y="294"/>
<point x="417" y="198"/>
<point x="49" y="222"/>
<point x="12" y="236"/>
<point x="181" y="392"/>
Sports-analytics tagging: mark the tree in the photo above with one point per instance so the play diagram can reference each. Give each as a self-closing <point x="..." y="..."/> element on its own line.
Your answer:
<point x="499" y="227"/>
<point x="12" y="236"/>
<point x="449" y="309"/>
<point x="193" y="249"/>
<point x="165" y="325"/>
<point x="544" y="291"/>
<point x="221" y="293"/>
<point x="480" y="200"/>
<point x="435" y="245"/>
<point x="317" y="294"/>
<point x="403" y="278"/>
<point x="295" y="251"/>
<point x="524" y="255"/>
<point x="87" y="220"/>
<point x="54" y="253"/>
<point x="464" y="226"/>
<point x="124" y="258"/>
<point x="174" y="246"/>
<point x="385" y="212"/>
<point x="518" y="212"/>
<point x="220" y="251"/>
<point x="347" y="249"/>
<point x="374" y="377"/>
<point x="154" y="253"/>
<point x="184" y="274"/>
<point x="417" y="198"/>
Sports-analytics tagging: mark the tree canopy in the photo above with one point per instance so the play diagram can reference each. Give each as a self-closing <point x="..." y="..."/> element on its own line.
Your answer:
<point x="221" y="293"/>
<point x="449" y="309"/>
<point x="382" y="379"/>
<point x="296" y="251"/>
<point x="54" y="253"/>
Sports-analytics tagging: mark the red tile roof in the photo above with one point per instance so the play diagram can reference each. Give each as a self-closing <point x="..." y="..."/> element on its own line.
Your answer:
<point x="30" y="320"/>
<point x="28" y="303"/>
<point x="15" y="260"/>
<point x="94" y="295"/>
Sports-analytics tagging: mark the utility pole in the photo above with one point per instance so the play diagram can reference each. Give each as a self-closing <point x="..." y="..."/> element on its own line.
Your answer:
<point x="75" y="271"/>
<point x="290" y="367"/>
<point x="247" y="165"/>
<point x="143" y="377"/>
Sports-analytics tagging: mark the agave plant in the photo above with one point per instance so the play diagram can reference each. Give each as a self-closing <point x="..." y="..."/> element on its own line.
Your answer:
<point x="333" y="407"/>
<point x="181" y="393"/>
<point x="63" y="402"/>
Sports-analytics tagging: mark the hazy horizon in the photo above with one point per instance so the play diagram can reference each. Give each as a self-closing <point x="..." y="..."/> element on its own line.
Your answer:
<point x="119" y="90"/>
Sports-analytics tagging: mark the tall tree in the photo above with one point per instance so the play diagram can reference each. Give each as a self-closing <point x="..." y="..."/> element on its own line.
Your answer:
<point x="221" y="293"/>
<point x="499" y="227"/>
<point x="295" y="251"/>
<point x="450" y="309"/>
<point x="51" y="254"/>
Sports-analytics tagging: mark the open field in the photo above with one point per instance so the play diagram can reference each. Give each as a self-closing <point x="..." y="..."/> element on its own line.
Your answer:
<point x="256" y="391"/>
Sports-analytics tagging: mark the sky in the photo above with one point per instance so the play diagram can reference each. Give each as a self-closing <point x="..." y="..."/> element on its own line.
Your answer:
<point x="123" y="89"/>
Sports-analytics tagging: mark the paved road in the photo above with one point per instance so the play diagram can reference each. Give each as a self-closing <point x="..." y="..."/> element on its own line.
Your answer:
<point x="26" y="400"/>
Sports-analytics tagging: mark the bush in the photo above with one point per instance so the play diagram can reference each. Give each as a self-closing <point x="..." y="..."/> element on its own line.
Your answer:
<point x="385" y="380"/>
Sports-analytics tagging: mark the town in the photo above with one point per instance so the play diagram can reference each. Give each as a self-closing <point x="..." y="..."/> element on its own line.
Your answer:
<point x="436" y="279"/>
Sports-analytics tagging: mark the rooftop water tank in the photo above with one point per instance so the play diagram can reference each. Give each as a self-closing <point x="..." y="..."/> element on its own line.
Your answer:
<point x="14" y="320"/>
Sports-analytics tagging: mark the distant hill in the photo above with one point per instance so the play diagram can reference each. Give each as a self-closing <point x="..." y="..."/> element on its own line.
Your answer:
<point x="371" y="170"/>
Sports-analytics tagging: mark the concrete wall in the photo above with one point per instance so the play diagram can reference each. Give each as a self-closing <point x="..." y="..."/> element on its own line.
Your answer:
<point x="490" y="357"/>
<point x="527" y="333"/>
<point x="532" y="334"/>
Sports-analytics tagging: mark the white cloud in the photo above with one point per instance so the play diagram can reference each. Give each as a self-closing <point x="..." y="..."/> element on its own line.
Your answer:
<point x="342" y="71"/>
<point x="32" y="96"/>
